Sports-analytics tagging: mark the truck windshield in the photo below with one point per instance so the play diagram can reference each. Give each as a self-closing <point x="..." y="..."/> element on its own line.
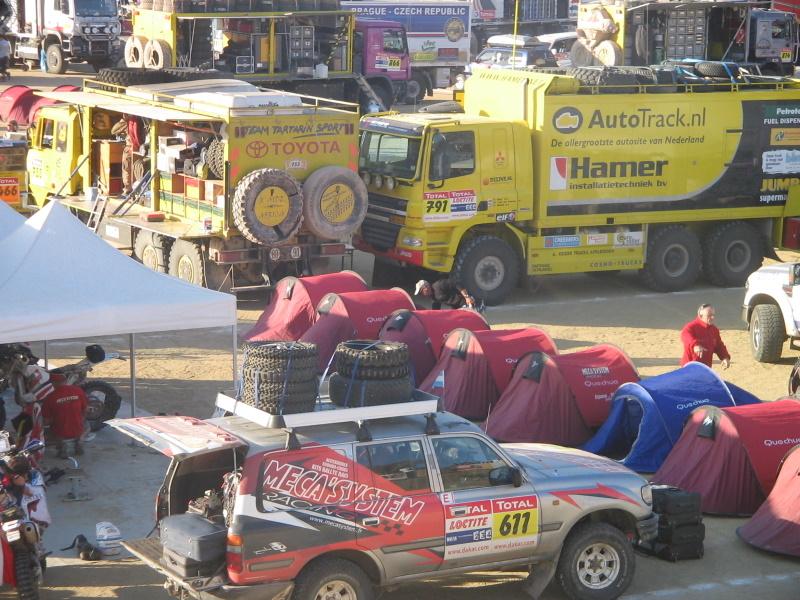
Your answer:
<point x="389" y="154"/>
<point x="95" y="8"/>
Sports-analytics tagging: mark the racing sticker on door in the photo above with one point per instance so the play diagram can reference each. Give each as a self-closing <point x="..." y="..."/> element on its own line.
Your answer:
<point x="450" y="206"/>
<point x="485" y="526"/>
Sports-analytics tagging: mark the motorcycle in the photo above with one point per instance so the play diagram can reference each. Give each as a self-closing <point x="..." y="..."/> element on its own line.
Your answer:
<point x="103" y="398"/>
<point x="23" y="518"/>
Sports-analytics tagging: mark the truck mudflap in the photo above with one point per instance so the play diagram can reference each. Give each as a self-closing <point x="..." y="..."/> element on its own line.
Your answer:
<point x="149" y="551"/>
<point x="647" y="528"/>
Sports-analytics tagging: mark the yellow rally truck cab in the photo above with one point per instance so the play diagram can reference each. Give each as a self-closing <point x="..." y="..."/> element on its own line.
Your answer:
<point x="545" y="174"/>
<point x="230" y="188"/>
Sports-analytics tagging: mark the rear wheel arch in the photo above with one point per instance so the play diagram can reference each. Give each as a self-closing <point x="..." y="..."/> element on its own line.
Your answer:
<point x="363" y="560"/>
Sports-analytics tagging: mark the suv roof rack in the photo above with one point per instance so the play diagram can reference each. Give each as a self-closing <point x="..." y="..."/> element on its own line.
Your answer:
<point x="421" y="403"/>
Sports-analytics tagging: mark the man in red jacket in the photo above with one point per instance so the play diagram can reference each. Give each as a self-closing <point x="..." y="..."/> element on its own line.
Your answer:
<point x="65" y="410"/>
<point x="701" y="339"/>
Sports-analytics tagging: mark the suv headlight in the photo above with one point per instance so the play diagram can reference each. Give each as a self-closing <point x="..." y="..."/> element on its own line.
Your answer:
<point x="647" y="494"/>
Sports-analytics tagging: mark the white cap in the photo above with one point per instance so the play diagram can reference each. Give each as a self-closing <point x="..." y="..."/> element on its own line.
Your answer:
<point x="420" y="284"/>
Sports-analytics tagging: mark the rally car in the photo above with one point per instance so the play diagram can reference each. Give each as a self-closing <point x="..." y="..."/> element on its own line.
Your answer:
<point x="341" y="503"/>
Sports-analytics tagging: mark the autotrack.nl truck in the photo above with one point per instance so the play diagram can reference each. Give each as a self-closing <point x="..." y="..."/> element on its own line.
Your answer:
<point x="543" y="174"/>
<point x="230" y="188"/>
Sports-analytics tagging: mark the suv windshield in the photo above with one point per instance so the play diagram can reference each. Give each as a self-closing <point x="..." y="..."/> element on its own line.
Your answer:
<point x="389" y="154"/>
<point x="95" y="8"/>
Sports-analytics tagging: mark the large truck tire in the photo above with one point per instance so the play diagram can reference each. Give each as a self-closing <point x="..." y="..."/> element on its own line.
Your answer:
<point x="488" y="268"/>
<point x="55" y="59"/>
<point x="731" y="252"/>
<point x="186" y="262"/>
<point x="280" y="398"/>
<point x="417" y="87"/>
<point x="580" y="55"/>
<point x="177" y="74"/>
<point x="152" y="250"/>
<point x="351" y="392"/>
<point x="134" y="51"/>
<point x="268" y="206"/>
<point x="127" y="77"/>
<point x="367" y="359"/>
<point x="290" y="376"/>
<point x="215" y="158"/>
<point x="157" y="55"/>
<point x="717" y="69"/>
<point x="608" y="53"/>
<point x="767" y="333"/>
<point x="279" y="356"/>
<point x="334" y="202"/>
<point x="673" y="259"/>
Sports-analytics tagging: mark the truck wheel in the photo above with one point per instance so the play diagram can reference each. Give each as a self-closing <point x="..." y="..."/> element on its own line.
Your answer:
<point x="103" y="402"/>
<point x="731" y="252"/>
<point x="608" y="53"/>
<point x="370" y="357"/>
<point x="488" y="267"/>
<point x="186" y="262"/>
<point x="334" y="202"/>
<point x="767" y="333"/>
<point x="124" y="77"/>
<point x="152" y="250"/>
<point x="268" y="206"/>
<point x="55" y="60"/>
<point x="384" y="92"/>
<point x="580" y="55"/>
<point x="348" y="392"/>
<point x="215" y="158"/>
<point x="333" y="578"/>
<point x="673" y="259"/>
<point x="596" y="563"/>
<point x="157" y="55"/>
<point x="134" y="51"/>
<point x="417" y="88"/>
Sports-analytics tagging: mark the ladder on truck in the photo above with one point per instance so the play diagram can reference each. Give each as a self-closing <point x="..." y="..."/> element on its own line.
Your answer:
<point x="367" y="89"/>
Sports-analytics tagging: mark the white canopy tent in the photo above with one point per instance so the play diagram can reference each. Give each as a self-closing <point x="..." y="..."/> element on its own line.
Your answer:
<point x="58" y="280"/>
<point x="9" y="219"/>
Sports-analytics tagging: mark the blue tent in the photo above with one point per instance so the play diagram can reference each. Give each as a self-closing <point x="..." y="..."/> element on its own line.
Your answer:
<point x="647" y="417"/>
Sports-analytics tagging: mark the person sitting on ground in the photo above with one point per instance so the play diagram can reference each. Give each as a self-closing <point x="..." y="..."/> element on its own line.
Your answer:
<point x="65" y="410"/>
<point x="444" y="292"/>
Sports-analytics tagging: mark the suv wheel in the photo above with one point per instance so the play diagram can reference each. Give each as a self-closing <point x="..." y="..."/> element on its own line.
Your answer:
<point x="333" y="579"/>
<point x="596" y="563"/>
<point x="767" y="333"/>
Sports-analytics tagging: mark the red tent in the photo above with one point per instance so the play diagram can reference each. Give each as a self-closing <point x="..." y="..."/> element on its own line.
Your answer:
<point x="537" y="406"/>
<point x="594" y="374"/>
<point x="731" y="455"/>
<point x="476" y="367"/>
<point x="352" y="315"/>
<point x="776" y="524"/>
<point x="424" y="332"/>
<point x="19" y="103"/>
<point x="292" y="308"/>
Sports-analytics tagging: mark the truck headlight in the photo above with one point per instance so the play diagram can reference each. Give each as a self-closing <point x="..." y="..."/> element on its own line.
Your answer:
<point x="377" y="180"/>
<point x="114" y="29"/>
<point x="647" y="494"/>
<point x="410" y="240"/>
<point x="366" y="178"/>
<point x="391" y="183"/>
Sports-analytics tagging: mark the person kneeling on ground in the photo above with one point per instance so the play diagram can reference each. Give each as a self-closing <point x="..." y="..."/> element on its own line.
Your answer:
<point x="444" y="292"/>
<point x="65" y="410"/>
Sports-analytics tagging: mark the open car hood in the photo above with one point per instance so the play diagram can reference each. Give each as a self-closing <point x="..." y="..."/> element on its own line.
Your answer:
<point x="177" y="436"/>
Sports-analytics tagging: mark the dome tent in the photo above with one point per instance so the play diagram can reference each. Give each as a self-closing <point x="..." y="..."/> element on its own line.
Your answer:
<point x="424" y="332"/>
<point x="474" y="367"/>
<point x="731" y="456"/>
<point x="775" y="526"/>
<point x="646" y="418"/>
<point x="352" y="315"/>
<point x="292" y="308"/>
<point x="559" y="399"/>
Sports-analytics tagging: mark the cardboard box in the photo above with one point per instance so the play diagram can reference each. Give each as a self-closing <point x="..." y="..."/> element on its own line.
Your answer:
<point x="167" y="164"/>
<point x="194" y="188"/>
<point x="215" y="192"/>
<point x="165" y="141"/>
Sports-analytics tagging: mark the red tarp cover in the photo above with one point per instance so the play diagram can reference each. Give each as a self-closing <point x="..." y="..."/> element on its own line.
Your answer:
<point x="718" y="469"/>
<point x="594" y="374"/>
<point x="15" y="104"/>
<point x="424" y="332"/>
<point x="477" y="366"/>
<point x="776" y="524"/>
<point x="292" y="308"/>
<point x="352" y="315"/>
<point x="537" y="406"/>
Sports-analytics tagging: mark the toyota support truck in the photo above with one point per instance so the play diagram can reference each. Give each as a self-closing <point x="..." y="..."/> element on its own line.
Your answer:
<point x="235" y="185"/>
<point x="543" y="174"/>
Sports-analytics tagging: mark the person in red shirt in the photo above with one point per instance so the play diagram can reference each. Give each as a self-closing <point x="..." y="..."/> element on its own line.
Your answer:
<point x="65" y="410"/>
<point x="701" y="339"/>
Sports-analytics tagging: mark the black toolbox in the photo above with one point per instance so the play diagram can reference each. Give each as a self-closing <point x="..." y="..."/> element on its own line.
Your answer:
<point x="669" y="500"/>
<point x="684" y="534"/>
<point x="192" y="545"/>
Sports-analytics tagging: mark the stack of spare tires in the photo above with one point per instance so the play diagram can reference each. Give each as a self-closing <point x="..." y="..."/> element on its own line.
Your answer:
<point x="279" y="377"/>
<point x="371" y="373"/>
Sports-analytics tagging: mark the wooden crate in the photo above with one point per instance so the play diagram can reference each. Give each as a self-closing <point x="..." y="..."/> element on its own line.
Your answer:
<point x="108" y="158"/>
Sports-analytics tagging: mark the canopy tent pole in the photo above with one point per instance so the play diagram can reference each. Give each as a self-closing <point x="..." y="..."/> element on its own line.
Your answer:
<point x="132" y="349"/>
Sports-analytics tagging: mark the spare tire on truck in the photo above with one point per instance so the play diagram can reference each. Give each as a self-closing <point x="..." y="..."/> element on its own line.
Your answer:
<point x="334" y="202"/>
<point x="157" y="55"/>
<point x="134" y="51"/>
<point x="279" y="377"/>
<point x="370" y="359"/>
<point x="268" y="206"/>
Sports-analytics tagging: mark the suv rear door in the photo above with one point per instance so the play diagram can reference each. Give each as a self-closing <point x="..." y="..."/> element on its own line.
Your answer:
<point x="487" y="518"/>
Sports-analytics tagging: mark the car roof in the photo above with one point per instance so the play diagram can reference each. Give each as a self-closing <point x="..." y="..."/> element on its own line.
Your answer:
<point x="549" y="38"/>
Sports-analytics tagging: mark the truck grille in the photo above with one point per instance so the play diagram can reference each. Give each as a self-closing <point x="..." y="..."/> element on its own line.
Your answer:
<point x="380" y="234"/>
<point x="384" y="206"/>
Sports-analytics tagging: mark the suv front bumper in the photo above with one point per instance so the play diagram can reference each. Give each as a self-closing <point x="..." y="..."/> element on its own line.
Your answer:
<point x="647" y="528"/>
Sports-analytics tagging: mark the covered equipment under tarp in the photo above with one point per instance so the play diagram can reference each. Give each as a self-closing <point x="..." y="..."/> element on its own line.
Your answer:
<point x="731" y="456"/>
<point x="20" y="103"/>
<point x="775" y="526"/>
<point x="424" y="332"/>
<point x="474" y="367"/>
<point x="293" y="306"/>
<point x="647" y="417"/>
<point x="537" y="406"/>
<point x="352" y="315"/>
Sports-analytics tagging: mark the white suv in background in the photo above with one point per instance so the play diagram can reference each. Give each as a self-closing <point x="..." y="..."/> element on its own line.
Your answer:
<point x="771" y="308"/>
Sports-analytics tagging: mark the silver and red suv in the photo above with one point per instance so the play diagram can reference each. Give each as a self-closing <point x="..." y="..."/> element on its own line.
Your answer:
<point x="340" y="503"/>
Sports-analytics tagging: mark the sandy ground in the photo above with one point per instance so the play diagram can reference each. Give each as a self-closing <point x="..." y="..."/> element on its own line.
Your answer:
<point x="181" y="372"/>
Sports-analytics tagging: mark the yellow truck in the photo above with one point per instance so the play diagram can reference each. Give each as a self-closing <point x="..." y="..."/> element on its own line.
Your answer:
<point x="228" y="187"/>
<point x="543" y="174"/>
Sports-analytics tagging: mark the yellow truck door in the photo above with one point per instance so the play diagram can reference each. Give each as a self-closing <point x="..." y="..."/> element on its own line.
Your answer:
<point x="54" y="152"/>
<point x="453" y="177"/>
<point x="498" y="184"/>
